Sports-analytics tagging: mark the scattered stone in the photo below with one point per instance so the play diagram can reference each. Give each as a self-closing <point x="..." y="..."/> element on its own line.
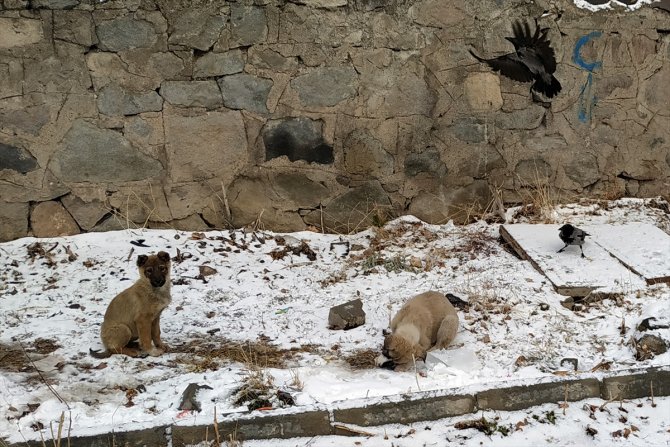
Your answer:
<point x="457" y="302"/>
<point x="568" y="303"/>
<point x="188" y="397"/>
<point x="206" y="270"/>
<point x="647" y="325"/>
<point x="570" y="361"/>
<point x="50" y="219"/>
<point x="648" y="346"/>
<point x="347" y="316"/>
<point x="544" y="306"/>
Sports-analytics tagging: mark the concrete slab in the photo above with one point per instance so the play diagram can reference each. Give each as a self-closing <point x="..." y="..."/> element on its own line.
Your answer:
<point x="643" y="248"/>
<point x="571" y="274"/>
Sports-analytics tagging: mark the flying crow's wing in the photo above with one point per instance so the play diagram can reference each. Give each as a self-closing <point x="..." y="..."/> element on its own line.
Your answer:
<point x="535" y="43"/>
<point x="509" y="66"/>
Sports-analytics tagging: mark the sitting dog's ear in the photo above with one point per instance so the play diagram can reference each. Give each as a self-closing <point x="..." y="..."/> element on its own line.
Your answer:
<point x="141" y="260"/>
<point x="386" y="332"/>
<point x="164" y="256"/>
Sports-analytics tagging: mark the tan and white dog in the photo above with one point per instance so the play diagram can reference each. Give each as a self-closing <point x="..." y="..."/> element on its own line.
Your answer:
<point x="426" y="322"/>
<point x="135" y="313"/>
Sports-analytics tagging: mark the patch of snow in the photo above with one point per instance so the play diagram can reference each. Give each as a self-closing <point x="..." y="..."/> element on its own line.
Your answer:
<point x="50" y="299"/>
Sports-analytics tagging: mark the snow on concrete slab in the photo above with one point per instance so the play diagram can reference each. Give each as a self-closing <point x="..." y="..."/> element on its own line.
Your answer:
<point x="644" y="248"/>
<point x="571" y="274"/>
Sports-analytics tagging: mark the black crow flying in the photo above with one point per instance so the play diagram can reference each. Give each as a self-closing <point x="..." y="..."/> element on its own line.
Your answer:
<point x="533" y="60"/>
<point x="572" y="235"/>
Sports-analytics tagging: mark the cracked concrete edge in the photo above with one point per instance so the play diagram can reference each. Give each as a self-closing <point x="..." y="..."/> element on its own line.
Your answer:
<point x="407" y="408"/>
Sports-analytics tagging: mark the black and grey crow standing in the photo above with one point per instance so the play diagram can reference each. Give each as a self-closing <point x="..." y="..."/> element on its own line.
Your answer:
<point x="572" y="235"/>
<point x="533" y="60"/>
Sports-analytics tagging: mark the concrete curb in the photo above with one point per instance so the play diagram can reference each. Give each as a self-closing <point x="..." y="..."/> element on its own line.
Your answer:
<point x="415" y="407"/>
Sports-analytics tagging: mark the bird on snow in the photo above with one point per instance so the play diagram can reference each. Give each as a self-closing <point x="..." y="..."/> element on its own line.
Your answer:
<point x="572" y="235"/>
<point x="533" y="60"/>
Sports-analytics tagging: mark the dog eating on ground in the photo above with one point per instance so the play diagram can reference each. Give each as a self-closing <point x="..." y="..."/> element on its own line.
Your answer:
<point x="135" y="313"/>
<point x="426" y="322"/>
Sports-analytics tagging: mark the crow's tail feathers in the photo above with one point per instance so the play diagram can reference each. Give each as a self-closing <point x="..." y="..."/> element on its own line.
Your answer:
<point x="548" y="90"/>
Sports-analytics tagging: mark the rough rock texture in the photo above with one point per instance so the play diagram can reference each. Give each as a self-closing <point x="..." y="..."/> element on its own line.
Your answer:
<point x="347" y="316"/>
<point x="330" y="113"/>
<point x="50" y="219"/>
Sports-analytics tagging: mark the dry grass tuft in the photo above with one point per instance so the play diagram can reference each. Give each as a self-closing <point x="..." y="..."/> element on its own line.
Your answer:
<point x="362" y="359"/>
<point x="207" y="355"/>
<point x="13" y="359"/>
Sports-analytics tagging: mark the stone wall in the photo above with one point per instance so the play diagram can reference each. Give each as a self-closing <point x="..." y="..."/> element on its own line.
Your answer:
<point x="326" y="113"/>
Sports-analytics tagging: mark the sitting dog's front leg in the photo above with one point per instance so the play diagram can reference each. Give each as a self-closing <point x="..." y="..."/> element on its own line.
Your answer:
<point x="144" y="331"/>
<point x="156" y="333"/>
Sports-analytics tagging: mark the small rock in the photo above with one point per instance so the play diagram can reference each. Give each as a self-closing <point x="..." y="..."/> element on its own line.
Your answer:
<point x="206" y="270"/>
<point x="544" y="306"/>
<point x="347" y="316"/>
<point x="648" y="346"/>
<point x="568" y="303"/>
<point x="571" y="361"/>
<point x="188" y="400"/>
<point x="647" y="325"/>
<point x="457" y="302"/>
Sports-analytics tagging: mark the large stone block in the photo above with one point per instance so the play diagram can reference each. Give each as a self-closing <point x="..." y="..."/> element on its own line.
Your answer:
<point x="634" y="386"/>
<point x="218" y="64"/>
<point x="251" y="198"/>
<point x="13" y="220"/>
<point x="16" y="159"/>
<point x="75" y="27"/>
<point x="11" y="77"/>
<point x="125" y="33"/>
<point x="533" y="171"/>
<point x="113" y="100"/>
<point x="524" y="396"/>
<point x="428" y="162"/>
<point x="395" y="91"/>
<point x="197" y="28"/>
<point x="407" y="411"/>
<point x="87" y="214"/>
<point x="50" y="219"/>
<point x="258" y="426"/>
<point x="192" y="93"/>
<point x="17" y="32"/>
<point x="299" y="189"/>
<point x="326" y="86"/>
<point x="201" y="147"/>
<point x="440" y="204"/>
<point x="90" y="154"/>
<point x="365" y="155"/>
<point x="246" y="92"/>
<point x="354" y="210"/>
<point x="482" y="91"/>
<point x="248" y="25"/>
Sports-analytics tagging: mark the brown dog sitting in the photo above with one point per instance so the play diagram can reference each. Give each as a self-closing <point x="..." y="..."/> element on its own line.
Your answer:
<point x="426" y="322"/>
<point x="135" y="313"/>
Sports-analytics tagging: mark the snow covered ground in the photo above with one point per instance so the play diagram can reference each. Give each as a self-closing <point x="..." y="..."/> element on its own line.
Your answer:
<point x="246" y="302"/>
<point x="633" y="423"/>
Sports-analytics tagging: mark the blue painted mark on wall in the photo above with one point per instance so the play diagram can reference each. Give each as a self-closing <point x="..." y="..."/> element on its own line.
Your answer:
<point x="587" y="99"/>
